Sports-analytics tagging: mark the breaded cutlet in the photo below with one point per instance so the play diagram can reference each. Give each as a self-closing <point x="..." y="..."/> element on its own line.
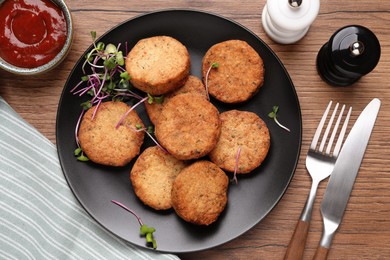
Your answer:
<point x="239" y="74"/>
<point x="192" y="85"/>
<point x="188" y="126"/>
<point x="152" y="177"/>
<point x="242" y="130"/>
<point x="105" y="144"/>
<point x="199" y="193"/>
<point x="158" y="65"/>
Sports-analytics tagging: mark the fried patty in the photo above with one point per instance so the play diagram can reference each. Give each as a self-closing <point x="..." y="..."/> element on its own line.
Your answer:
<point x="240" y="71"/>
<point x="245" y="131"/>
<point x="152" y="177"/>
<point x="199" y="193"/>
<point x="105" y="144"/>
<point x="192" y="85"/>
<point x="188" y="126"/>
<point x="158" y="65"/>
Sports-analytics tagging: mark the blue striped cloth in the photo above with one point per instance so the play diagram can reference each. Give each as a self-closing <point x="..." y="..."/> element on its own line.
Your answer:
<point x="39" y="216"/>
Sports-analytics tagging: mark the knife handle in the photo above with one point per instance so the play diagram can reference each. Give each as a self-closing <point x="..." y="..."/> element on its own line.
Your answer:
<point x="321" y="253"/>
<point x="298" y="240"/>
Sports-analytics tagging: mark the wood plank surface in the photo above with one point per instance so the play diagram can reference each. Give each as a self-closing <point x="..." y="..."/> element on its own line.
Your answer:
<point x="365" y="230"/>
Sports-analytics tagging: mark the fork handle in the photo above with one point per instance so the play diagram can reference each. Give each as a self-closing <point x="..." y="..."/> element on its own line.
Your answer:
<point x="298" y="240"/>
<point x="321" y="253"/>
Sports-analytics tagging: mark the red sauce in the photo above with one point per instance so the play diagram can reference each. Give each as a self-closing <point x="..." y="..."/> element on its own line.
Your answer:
<point x="32" y="32"/>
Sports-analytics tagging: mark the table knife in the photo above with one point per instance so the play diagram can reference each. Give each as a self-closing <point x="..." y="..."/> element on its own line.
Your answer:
<point x="343" y="176"/>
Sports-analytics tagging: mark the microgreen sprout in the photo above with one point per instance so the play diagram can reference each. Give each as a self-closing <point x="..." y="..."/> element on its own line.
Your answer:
<point x="105" y="80"/>
<point x="236" y="165"/>
<point x="157" y="99"/>
<point x="80" y="155"/>
<point x="144" y="229"/>
<point x="272" y="115"/>
<point x="214" y="65"/>
<point x="149" y="131"/>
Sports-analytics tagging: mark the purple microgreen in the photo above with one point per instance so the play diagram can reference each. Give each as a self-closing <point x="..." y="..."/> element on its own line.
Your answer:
<point x="214" y="65"/>
<point x="96" y="108"/>
<point x="78" y="84"/>
<point x="104" y="78"/>
<point x="149" y="131"/>
<point x="236" y="165"/>
<point x="144" y="230"/>
<point x="125" y="93"/>
<point x="128" y="111"/>
<point x="129" y="210"/>
<point x="77" y="128"/>
<point x="272" y="115"/>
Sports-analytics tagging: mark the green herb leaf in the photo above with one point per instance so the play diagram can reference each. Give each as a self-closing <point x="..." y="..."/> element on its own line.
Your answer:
<point x="159" y="99"/>
<point x="144" y="230"/>
<point x="275" y="109"/>
<point x="93" y="34"/>
<point x="100" y="46"/>
<point x="148" y="233"/>
<point x="86" y="105"/>
<point x="125" y="75"/>
<point x="119" y="58"/>
<point x="110" y="49"/>
<point x="83" y="158"/>
<point x="110" y="63"/>
<point x="77" y="151"/>
<point x="272" y="115"/>
<point x="150" y="99"/>
<point x="215" y="65"/>
<point x="124" y="84"/>
<point x="150" y="129"/>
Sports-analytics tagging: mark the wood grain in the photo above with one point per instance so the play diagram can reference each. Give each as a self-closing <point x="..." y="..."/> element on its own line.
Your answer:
<point x="297" y="243"/>
<point x="365" y="230"/>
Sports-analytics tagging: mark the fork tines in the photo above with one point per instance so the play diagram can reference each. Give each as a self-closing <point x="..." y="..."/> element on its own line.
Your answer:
<point x="341" y="135"/>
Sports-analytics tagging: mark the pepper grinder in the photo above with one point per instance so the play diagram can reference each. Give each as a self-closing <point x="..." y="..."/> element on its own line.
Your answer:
<point x="351" y="52"/>
<point x="287" y="21"/>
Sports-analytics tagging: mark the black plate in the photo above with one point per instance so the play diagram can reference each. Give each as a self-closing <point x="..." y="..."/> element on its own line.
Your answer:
<point x="248" y="202"/>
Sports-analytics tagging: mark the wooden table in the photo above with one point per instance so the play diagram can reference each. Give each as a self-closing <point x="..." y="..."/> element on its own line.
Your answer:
<point x="365" y="230"/>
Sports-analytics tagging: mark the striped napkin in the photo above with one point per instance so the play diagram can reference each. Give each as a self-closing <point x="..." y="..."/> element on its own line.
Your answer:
<point x="39" y="216"/>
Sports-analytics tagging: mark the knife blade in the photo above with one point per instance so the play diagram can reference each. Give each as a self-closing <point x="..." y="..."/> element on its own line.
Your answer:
<point x="343" y="177"/>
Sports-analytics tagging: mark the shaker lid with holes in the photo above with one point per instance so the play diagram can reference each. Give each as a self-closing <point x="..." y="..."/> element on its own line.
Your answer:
<point x="354" y="50"/>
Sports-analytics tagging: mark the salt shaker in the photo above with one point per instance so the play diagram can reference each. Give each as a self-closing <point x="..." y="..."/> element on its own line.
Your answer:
<point x="287" y="21"/>
<point x="351" y="52"/>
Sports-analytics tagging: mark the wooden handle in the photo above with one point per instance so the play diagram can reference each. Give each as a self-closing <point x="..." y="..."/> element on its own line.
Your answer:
<point x="321" y="253"/>
<point x="298" y="241"/>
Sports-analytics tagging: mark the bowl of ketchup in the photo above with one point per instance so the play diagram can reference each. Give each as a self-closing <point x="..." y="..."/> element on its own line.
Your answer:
<point x="35" y="35"/>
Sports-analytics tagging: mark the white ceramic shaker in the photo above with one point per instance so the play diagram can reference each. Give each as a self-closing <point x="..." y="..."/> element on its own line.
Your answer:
<point x="287" y="21"/>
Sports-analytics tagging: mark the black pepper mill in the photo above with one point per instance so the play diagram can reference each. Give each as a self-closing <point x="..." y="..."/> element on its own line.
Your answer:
<point x="352" y="52"/>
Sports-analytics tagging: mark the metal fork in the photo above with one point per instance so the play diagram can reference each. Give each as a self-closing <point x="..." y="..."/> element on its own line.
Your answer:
<point x="320" y="164"/>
